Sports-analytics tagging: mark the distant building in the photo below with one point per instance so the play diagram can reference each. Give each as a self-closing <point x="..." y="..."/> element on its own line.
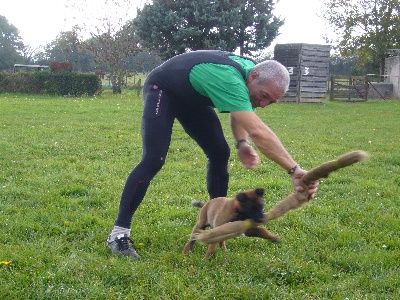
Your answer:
<point x="20" y="67"/>
<point x="392" y="70"/>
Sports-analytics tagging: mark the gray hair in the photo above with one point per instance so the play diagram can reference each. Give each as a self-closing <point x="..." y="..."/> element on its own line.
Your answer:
<point x="271" y="70"/>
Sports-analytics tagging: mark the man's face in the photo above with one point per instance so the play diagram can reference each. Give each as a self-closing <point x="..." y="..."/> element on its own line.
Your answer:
<point x="262" y="95"/>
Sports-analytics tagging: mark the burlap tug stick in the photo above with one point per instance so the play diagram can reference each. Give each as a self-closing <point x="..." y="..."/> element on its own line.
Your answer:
<point x="293" y="201"/>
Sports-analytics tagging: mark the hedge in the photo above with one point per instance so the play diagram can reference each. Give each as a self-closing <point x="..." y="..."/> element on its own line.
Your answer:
<point x="45" y="82"/>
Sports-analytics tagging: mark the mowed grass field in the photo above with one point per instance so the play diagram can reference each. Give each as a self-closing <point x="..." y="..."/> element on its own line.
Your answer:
<point x="63" y="164"/>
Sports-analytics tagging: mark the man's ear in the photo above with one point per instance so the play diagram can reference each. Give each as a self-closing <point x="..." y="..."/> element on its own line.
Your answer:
<point x="253" y="75"/>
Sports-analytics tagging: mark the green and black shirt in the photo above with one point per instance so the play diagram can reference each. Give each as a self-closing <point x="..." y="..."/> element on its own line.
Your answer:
<point x="206" y="77"/>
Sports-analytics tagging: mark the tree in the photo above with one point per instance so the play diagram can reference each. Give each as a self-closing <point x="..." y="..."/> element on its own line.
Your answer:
<point x="65" y="48"/>
<point x="112" y="37"/>
<point x="29" y="53"/>
<point x="176" y="26"/>
<point x="366" y="28"/>
<point x="144" y="62"/>
<point x="10" y="45"/>
<point x="114" y="50"/>
<point x="257" y="27"/>
<point x="344" y="66"/>
<point x="69" y="47"/>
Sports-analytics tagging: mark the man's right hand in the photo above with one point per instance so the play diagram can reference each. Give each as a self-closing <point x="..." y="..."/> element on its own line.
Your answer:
<point x="248" y="156"/>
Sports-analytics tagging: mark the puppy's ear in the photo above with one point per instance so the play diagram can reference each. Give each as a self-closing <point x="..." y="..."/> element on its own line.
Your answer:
<point x="241" y="197"/>
<point x="260" y="192"/>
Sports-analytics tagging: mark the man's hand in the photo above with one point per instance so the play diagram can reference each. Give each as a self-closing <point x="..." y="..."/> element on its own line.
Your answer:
<point x="312" y="188"/>
<point x="248" y="156"/>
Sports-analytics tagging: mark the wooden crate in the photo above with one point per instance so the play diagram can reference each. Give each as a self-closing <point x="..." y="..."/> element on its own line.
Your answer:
<point x="308" y="65"/>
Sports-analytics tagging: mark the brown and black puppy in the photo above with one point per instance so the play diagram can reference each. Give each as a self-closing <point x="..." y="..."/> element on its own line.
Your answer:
<point x="218" y="211"/>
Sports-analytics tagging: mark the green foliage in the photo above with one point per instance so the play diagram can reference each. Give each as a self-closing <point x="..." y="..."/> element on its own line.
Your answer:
<point x="257" y="26"/>
<point x="366" y="29"/>
<point x="173" y="27"/>
<point x="76" y="84"/>
<point x="113" y="50"/>
<point x="67" y="47"/>
<point x="10" y="44"/>
<point x="61" y="83"/>
<point x="344" y="66"/>
<point x="24" y="82"/>
<point x="64" y="162"/>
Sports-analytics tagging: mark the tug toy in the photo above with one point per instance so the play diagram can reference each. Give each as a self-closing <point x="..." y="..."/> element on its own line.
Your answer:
<point x="293" y="201"/>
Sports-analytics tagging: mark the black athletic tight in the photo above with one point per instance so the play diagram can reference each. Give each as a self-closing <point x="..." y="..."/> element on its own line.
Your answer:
<point x="200" y="122"/>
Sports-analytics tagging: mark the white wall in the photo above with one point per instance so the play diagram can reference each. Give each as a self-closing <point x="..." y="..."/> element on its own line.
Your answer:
<point x="392" y="66"/>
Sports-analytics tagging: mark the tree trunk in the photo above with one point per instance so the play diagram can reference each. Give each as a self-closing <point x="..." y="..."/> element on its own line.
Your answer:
<point x="116" y="84"/>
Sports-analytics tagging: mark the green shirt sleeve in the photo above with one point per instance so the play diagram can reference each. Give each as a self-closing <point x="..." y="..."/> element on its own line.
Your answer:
<point x="223" y="84"/>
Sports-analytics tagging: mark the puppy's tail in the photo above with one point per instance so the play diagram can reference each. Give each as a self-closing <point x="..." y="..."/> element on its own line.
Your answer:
<point x="197" y="203"/>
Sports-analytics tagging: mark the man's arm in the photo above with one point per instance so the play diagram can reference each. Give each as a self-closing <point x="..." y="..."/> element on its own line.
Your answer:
<point x="269" y="145"/>
<point x="248" y="156"/>
<point x="238" y="132"/>
<point x="246" y="123"/>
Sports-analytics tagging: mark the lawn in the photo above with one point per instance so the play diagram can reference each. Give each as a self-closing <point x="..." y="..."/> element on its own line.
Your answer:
<point x="63" y="164"/>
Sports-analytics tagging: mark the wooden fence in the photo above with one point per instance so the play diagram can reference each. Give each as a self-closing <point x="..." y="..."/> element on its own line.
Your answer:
<point x="349" y="88"/>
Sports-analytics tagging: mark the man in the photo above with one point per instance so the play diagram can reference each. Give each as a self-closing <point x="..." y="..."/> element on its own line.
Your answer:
<point x="188" y="87"/>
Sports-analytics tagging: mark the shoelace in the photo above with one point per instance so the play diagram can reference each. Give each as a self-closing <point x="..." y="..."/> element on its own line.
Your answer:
<point x="124" y="243"/>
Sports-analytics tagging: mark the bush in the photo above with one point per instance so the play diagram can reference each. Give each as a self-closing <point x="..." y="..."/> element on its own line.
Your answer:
<point x="60" y="66"/>
<point x="3" y="81"/>
<point x="44" y="82"/>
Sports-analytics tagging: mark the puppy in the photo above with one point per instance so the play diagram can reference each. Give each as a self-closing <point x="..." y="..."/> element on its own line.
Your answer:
<point x="218" y="211"/>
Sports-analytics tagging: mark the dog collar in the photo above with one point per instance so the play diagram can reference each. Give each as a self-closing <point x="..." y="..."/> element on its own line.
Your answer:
<point x="235" y="209"/>
<point x="238" y="216"/>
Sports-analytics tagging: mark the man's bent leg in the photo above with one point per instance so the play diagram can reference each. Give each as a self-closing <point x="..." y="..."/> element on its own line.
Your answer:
<point x="203" y="125"/>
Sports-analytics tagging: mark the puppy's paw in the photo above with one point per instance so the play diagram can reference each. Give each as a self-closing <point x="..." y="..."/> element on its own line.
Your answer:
<point x="275" y="239"/>
<point x="188" y="247"/>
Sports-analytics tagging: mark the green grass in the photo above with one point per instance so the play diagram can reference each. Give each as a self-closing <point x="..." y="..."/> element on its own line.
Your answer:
<point x="63" y="164"/>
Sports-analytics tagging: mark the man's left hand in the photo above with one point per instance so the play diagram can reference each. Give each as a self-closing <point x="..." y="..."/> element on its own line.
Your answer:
<point x="312" y="187"/>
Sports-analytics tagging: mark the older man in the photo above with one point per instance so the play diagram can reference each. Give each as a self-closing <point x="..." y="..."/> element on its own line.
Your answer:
<point x="188" y="88"/>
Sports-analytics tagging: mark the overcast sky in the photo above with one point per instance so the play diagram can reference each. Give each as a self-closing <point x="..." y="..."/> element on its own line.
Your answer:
<point x="40" y="21"/>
